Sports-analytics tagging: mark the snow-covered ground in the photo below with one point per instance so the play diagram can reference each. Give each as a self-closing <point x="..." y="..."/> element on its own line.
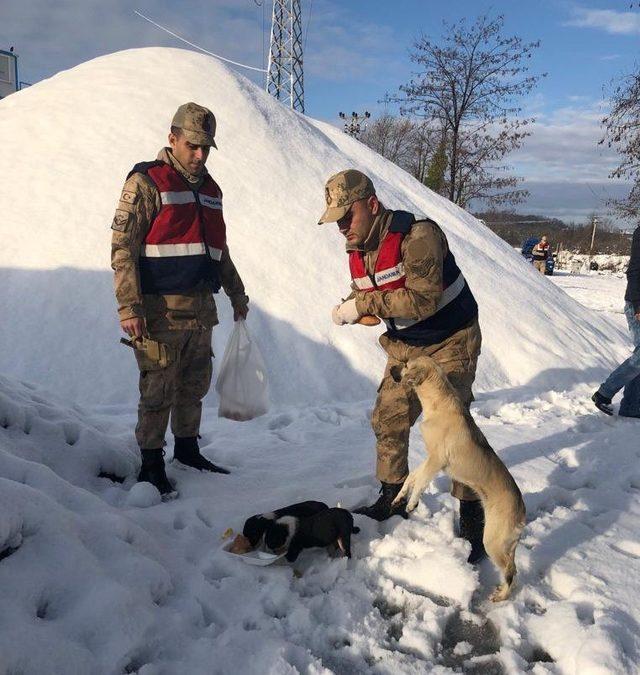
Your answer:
<point x="96" y="576"/>
<point x="602" y="291"/>
<point x="93" y="582"/>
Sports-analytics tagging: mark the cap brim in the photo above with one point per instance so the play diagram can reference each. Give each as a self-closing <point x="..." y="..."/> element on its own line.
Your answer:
<point x="333" y="214"/>
<point x="198" y="138"/>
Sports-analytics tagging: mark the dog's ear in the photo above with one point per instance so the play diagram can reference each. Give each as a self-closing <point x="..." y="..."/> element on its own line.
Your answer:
<point x="396" y="373"/>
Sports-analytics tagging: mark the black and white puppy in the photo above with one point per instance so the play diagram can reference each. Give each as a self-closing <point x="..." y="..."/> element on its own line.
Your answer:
<point x="254" y="527"/>
<point x="329" y="527"/>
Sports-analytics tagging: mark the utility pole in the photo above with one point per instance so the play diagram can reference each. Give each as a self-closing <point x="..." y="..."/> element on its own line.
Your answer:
<point x="355" y="124"/>
<point x="593" y="236"/>
<point x="285" y="79"/>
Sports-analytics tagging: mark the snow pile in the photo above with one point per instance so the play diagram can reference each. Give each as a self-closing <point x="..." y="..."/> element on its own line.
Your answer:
<point x="70" y="141"/>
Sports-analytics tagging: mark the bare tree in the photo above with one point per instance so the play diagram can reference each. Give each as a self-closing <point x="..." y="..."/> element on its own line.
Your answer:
<point x="408" y="143"/>
<point x="424" y="147"/>
<point x="390" y="137"/>
<point x="469" y="86"/>
<point x="622" y="132"/>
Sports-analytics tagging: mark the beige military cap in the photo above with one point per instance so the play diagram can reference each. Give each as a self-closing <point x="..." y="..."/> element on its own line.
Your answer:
<point x="342" y="190"/>
<point x="198" y="123"/>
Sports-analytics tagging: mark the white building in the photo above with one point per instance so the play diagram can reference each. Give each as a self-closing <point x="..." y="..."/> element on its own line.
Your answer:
<point x="9" y="82"/>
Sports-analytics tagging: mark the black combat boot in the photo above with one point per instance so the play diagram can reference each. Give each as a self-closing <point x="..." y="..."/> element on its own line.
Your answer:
<point x="187" y="452"/>
<point x="382" y="509"/>
<point x="152" y="471"/>
<point x="602" y="403"/>
<point x="472" y="528"/>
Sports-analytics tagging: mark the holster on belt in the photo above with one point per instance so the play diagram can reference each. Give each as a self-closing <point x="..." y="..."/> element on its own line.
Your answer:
<point x="156" y="352"/>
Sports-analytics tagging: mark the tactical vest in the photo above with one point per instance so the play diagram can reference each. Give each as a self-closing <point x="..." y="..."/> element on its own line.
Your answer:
<point x="185" y="241"/>
<point x="455" y="309"/>
<point x="540" y="251"/>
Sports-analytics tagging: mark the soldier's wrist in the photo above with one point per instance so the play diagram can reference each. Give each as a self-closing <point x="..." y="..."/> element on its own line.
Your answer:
<point x="127" y="313"/>
<point x="361" y="305"/>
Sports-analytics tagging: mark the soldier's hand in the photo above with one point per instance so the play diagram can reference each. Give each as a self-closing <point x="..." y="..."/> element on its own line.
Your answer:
<point x="133" y="327"/>
<point x="345" y="313"/>
<point x="240" y="313"/>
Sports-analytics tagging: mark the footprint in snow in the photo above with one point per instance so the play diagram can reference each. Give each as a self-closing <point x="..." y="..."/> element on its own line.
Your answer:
<point x="627" y="547"/>
<point x="71" y="432"/>
<point x="280" y="422"/>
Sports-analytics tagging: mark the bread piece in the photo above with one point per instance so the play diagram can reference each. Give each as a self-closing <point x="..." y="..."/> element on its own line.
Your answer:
<point x="240" y="545"/>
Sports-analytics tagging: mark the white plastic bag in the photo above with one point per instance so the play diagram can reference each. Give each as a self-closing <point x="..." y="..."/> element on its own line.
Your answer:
<point x="242" y="382"/>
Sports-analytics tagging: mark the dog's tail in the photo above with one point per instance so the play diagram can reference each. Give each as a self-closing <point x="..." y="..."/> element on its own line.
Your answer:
<point x="355" y="530"/>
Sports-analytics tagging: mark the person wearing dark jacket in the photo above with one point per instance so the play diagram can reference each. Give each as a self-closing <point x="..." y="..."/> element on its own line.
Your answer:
<point x="627" y="374"/>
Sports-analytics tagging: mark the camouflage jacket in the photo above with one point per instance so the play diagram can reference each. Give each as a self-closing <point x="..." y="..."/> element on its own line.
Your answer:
<point x="138" y="206"/>
<point x="423" y="252"/>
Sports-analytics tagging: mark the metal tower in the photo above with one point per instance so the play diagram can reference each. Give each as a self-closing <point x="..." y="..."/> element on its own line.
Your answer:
<point x="285" y="75"/>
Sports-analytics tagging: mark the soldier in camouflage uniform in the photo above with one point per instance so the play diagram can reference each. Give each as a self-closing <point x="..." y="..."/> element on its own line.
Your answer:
<point x="169" y="255"/>
<point x="403" y="272"/>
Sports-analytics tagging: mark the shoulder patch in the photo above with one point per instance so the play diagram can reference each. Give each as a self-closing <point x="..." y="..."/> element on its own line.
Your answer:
<point x="121" y="221"/>
<point x="128" y="196"/>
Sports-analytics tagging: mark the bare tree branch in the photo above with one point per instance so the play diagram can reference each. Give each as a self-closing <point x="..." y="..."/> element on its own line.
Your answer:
<point x="468" y="86"/>
<point x="622" y="132"/>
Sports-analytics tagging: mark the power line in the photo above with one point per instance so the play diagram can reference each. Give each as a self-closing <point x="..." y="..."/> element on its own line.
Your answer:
<point x="306" y="33"/>
<point x="202" y="49"/>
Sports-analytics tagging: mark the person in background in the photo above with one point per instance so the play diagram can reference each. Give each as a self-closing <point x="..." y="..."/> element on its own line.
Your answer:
<point x="540" y="253"/>
<point x="627" y="374"/>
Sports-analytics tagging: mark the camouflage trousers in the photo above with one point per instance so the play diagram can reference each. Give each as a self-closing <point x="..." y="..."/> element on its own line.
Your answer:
<point x="175" y="390"/>
<point x="397" y="407"/>
<point x="540" y="265"/>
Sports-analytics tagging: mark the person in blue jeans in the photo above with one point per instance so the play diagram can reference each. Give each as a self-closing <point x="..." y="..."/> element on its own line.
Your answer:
<point x="627" y="374"/>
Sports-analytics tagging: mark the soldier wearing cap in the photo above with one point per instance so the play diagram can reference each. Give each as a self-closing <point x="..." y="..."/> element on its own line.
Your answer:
<point x="169" y="255"/>
<point x="403" y="272"/>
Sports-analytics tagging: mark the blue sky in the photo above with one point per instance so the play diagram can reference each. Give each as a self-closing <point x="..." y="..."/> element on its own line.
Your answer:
<point x="356" y="51"/>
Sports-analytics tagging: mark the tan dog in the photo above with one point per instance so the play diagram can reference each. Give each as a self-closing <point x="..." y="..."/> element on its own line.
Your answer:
<point x="457" y="446"/>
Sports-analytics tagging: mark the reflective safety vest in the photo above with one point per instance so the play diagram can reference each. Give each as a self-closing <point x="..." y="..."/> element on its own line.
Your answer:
<point x="456" y="307"/>
<point x="185" y="241"/>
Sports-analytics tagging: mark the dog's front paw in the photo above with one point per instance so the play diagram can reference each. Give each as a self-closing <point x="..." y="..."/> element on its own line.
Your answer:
<point x="414" y="498"/>
<point x="418" y="486"/>
<point x="404" y="490"/>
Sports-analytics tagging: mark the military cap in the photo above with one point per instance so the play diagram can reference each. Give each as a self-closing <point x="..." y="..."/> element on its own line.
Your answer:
<point x="342" y="190"/>
<point x="198" y="123"/>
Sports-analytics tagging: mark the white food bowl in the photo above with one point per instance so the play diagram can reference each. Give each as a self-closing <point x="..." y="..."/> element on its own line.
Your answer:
<point x="259" y="558"/>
